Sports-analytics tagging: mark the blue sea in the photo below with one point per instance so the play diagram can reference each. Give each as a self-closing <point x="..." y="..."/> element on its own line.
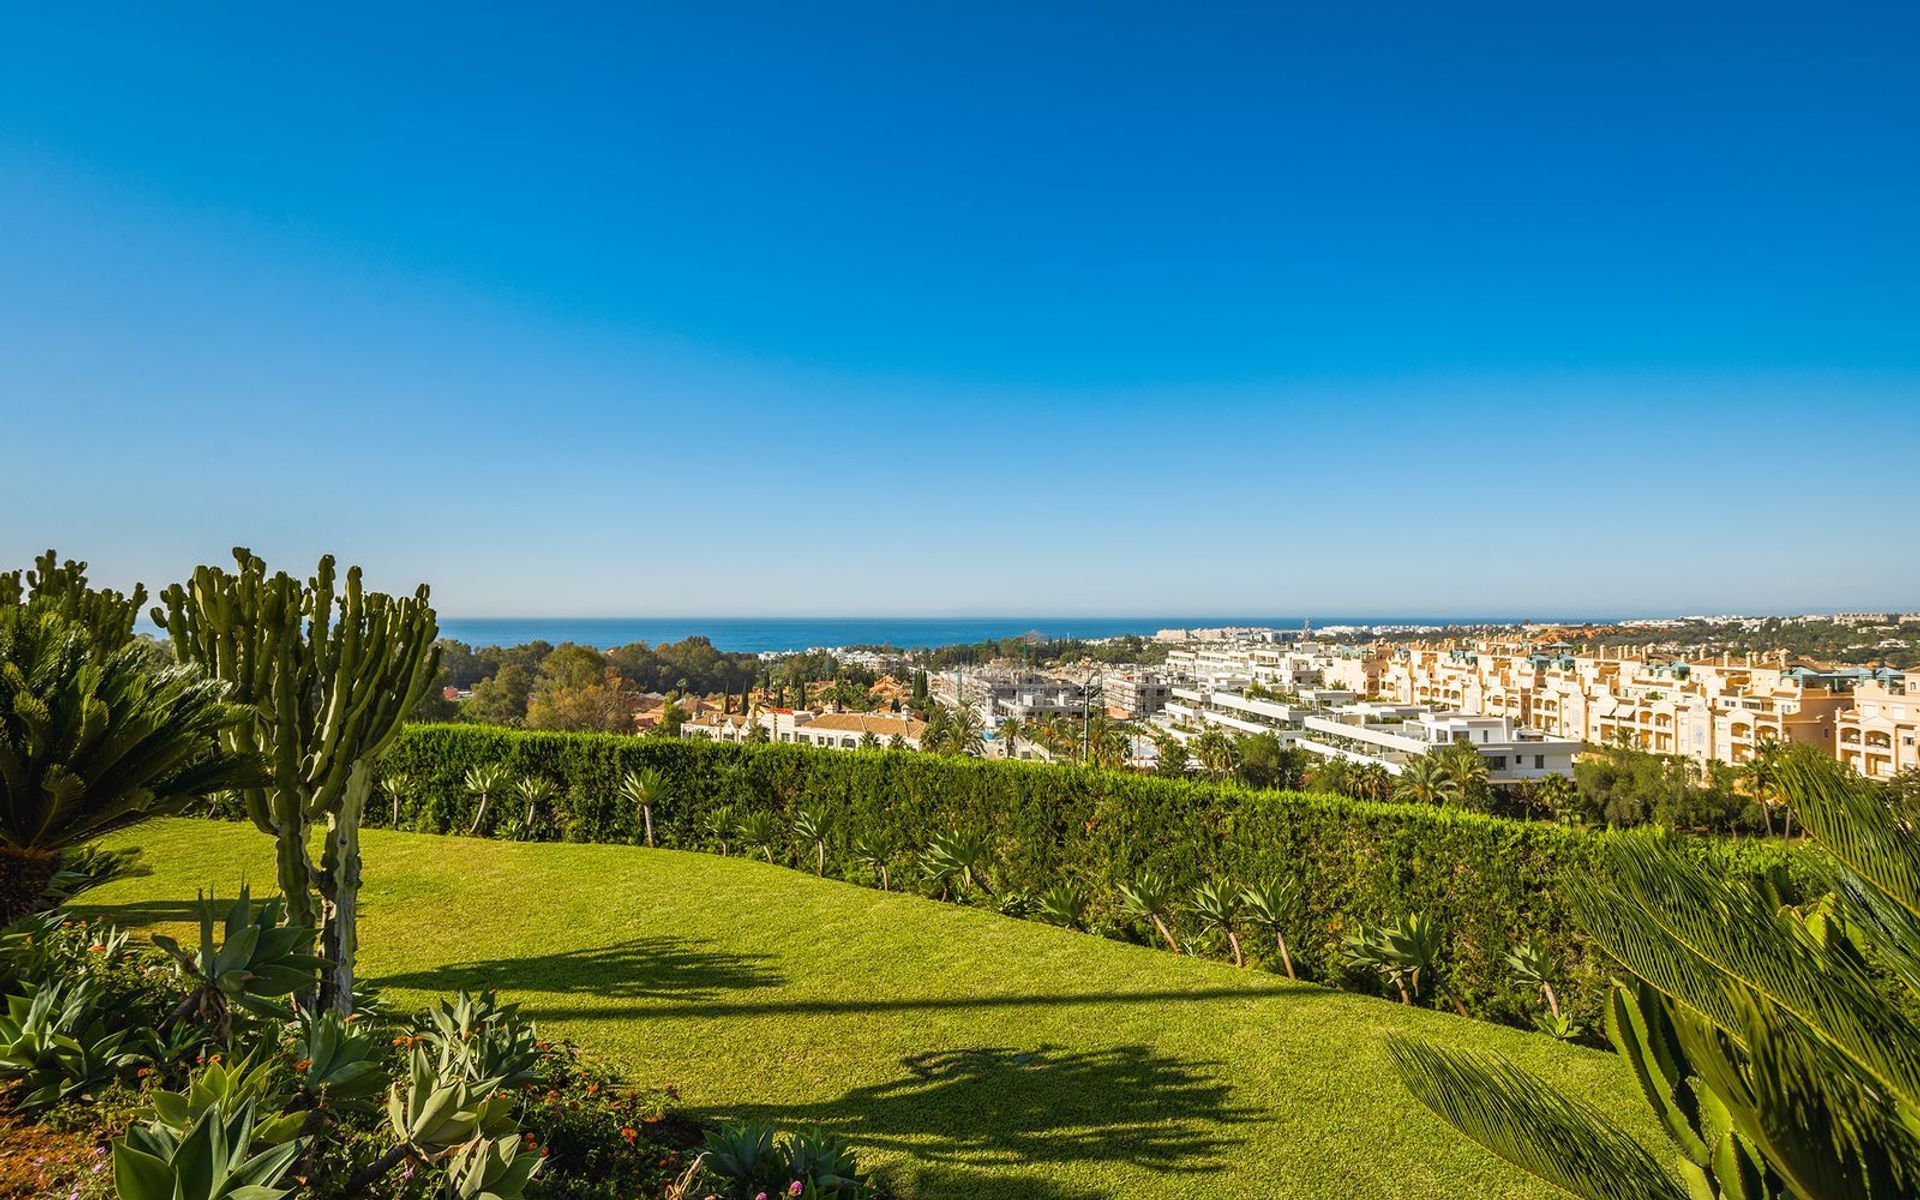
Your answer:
<point x="756" y="634"/>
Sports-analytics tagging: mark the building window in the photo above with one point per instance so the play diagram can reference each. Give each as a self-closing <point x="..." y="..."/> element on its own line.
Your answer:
<point x="1539" y="761"/>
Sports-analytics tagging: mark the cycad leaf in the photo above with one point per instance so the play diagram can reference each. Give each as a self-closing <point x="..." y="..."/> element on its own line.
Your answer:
<point x="1518" y="1117"/>
<point x="1856" y="828"/>
<point x="1705" y="942"/>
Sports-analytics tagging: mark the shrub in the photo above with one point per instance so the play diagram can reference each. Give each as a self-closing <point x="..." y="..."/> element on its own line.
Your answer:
<point x="1485" y="882"/>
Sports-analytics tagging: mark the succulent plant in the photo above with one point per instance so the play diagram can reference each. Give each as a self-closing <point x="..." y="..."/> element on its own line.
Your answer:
<point x="336" y="1062"/>
<point x="213" y="1158"/>
<point x="59" y="1040"/>
<point x="254" y="961"/>
<point x="220" y="1085"/>
<point x="481" y="1040"/>
<point x="490" y="1169"/>
<point x="1064" y="904"/>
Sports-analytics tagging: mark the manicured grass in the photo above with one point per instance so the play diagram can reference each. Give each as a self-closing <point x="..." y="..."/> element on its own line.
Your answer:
<point x="969" y="1054"/>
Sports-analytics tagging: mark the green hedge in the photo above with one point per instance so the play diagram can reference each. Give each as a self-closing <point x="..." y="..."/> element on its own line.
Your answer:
<point x="1486" y="881"/>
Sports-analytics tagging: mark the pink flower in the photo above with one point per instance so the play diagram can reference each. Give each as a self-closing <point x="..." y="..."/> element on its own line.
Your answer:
<point x="794" y="1188"/>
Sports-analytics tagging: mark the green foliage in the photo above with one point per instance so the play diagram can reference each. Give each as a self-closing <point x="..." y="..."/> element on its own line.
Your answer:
<point x="1777" y="1045"/>
<point x="1482" y="880"/>
<point x="92" y="740"/>
<point x="875" y="850"/>
<point x="1274" y="905"/>
<point x="106" y="617"/>
<point x="432" y="1115"/>
<point x="256" y="960"/>
<point x="1064" y="904"/>
<point x="814" y="826"/>
<point x="646" y="790"/>
<point x="744" y="1161"/>
<point x="490" y="1169"/>
<point x="1149" y="897"/>
<point x="759" y="831"/>
<point x="336" y="1063"/>
<point x="958" y="856"/>
<point x="1215" y="906"/>
<point x="212" y="1159"/>
<point x="61" y="1039"/>
<point x="482" y="1041"/>
<point x="1405" y="953"/>
<point x="218" y="1085"/>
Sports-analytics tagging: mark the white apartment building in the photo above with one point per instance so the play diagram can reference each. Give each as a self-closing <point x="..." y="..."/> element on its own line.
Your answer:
<point x="1135" y="693"/>
<point x="1392" y="736"/>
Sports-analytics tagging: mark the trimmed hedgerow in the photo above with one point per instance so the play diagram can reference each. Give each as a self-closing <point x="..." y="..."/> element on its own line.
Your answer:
<point x="1486" y="881"/>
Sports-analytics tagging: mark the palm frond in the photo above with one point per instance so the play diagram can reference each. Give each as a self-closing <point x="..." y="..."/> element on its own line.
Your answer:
<point x="1515" y="1115"/>
<point x="1856" y="828"/>
<point x="1704" y="942"/>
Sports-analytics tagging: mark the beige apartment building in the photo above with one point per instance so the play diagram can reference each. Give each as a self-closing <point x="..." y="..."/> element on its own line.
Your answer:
<point x="1715" y="709"/>
<point x="1880" y="735"/>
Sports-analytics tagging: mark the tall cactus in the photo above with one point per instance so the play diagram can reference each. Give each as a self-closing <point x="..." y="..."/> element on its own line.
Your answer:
<point x="106" y="616"/>
<point x="330" y="678"/>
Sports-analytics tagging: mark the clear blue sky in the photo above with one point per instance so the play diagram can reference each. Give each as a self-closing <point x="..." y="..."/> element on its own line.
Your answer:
<point x="961" y="308"/>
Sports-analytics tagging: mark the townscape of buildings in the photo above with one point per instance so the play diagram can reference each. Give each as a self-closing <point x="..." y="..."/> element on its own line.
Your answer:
<point x="1527" y="706"/>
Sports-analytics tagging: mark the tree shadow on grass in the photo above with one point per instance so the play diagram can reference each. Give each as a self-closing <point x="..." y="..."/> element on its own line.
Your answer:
<point x="140" y="913"/>
<point x="952" y="1110"/>
<point x="663" y="968"/>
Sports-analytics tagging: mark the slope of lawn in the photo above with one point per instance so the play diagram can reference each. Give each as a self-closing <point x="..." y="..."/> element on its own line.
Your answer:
<point x="968" y="1054"/>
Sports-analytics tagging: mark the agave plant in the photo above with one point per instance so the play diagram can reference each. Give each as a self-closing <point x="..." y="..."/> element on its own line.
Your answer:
<point x="645" y="789"/>
<point x="1776" y="1045"/>
<point x="397" y="785"/>
<point x="491" y="1169"/>
<point x="433" y="1116"/>
<point x="226" y="1086"/>
<point x="482" y="1040"/>
<point x="1530" y="962"/>
<point x="875" y="851"/>
<point x="960" y="855"/>
<point x="92" y="740"/>
<point x="744" y="1161"/>
<point x="758" y="831"/>
<point x="1150" y="898"/>
<point x="483" y="783"/>
<point x="1064" y="904"/>
<point x="212" y="1159"/>
<point x="719" y="826"/>
<point x="1405" y="953"/>
<point x="813" y="826"/>
<point x="256" y="960"/>
<point x="60" y="1039"/>
<point x="1273" y="903"/>
<point x="336" y="1062"/>
<point x="1215" y="907"/>
<point x="536" y="790"/>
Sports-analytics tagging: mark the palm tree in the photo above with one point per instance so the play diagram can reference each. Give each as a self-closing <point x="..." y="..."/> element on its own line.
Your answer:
<point x="1215" y="752"/>
<point x="1468" y="771"/>
<point x="1273" y="903"/>
<point x="1426" y="780"/>
<point x="1372" y="781"/>
<point x="645" y="789"/>
<point x="1150" y="898"/>
<point x="1761" y="773"/>
<point x="1763" y="1036"/>
<point x="1335" y="775"/>
<point x="483" y="783"/>
<point x="535" y="790"/>
<point x="966" y="732"/>
<point x="92" y="740"/>
<point x="1009" y="732"/>
<point x="814" y="826"/>
<point x="1215" y="907"/>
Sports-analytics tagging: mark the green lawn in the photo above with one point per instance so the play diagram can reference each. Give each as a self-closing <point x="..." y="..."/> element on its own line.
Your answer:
<point x="969" y="1054"/>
